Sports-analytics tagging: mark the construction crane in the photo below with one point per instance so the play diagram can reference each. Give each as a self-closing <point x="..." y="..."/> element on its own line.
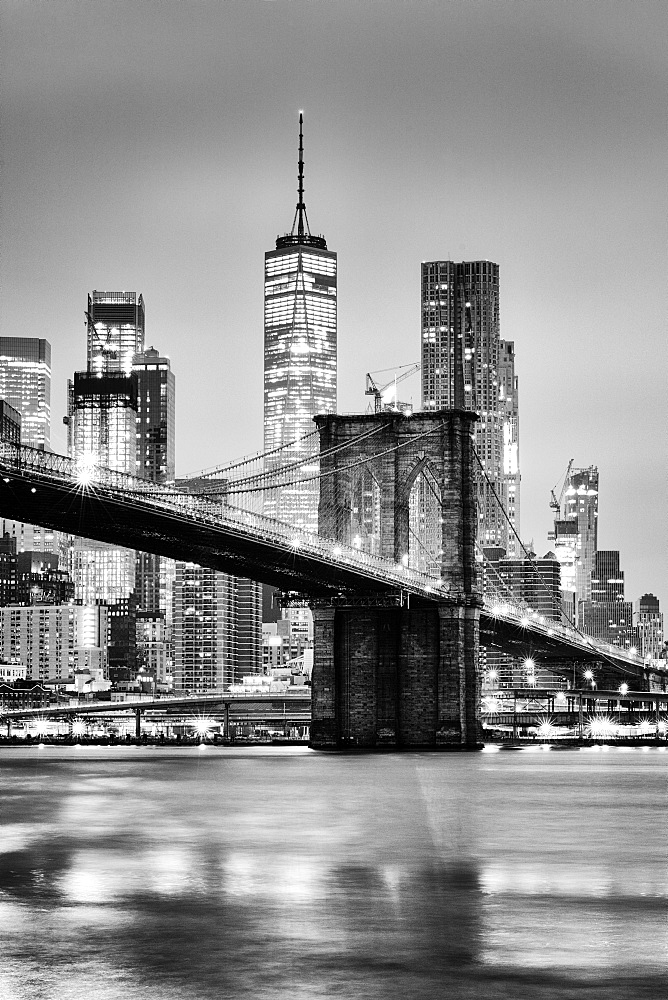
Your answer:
<point x="382" y="400"/>
<point x="555" y="504"/>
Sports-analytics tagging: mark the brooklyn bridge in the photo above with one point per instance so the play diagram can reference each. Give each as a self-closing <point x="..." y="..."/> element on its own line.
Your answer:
<point x="401" y="596"/>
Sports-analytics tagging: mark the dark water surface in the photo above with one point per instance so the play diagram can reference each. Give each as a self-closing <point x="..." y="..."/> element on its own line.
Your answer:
<point x="285" y="873"/>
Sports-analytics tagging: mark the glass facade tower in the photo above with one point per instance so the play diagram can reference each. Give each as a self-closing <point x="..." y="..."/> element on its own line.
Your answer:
<point x="509" y="405"/>
<point x="460" y="370"/>
<point x="155" y="416"/>
<point x="115" y="330"/>
<point x="102" y="430"/>
<point x="299" y="355"/>
<point x="25" y="383"/>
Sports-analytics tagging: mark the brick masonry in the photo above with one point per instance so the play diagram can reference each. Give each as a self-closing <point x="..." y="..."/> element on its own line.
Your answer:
<point x="400" y="676"/>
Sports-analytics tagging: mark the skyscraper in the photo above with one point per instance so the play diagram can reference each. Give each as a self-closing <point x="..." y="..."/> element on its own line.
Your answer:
<point x="648" y="627"/>
<point x="575" y="532"/>
<point x="25" y="383"/>
<point x="155" y="461"/>
<point x="509" y="406"/>
<point x="115" y="330"/>
<point x="102" y="430"/>
<point x="460" y="369"/>
<point x="299" y="353"/>
<point x="205" y="637"/>
<point x="103" y="420"/>
<point x="155" y="416"/>
<point x="605" y="614"/>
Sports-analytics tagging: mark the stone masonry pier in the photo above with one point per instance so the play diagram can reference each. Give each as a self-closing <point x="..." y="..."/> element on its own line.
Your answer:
<point x="392" y="672"/>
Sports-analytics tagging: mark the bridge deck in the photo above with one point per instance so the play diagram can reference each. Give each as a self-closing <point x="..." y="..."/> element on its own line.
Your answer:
<point x="43" y="488"/>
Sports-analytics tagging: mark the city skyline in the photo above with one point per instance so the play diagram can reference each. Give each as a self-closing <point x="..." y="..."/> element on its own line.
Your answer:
<point x="128" y="173"/>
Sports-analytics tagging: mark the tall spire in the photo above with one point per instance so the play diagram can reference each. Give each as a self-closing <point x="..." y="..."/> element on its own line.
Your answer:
<point x="300" y="234"/>
<point x="300" y="212"/>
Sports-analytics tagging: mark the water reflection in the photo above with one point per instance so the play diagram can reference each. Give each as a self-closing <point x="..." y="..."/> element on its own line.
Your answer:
<point x="292" y="874"/>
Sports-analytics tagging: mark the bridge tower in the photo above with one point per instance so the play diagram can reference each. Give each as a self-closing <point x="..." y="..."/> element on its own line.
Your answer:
<point x="393" y="671"/>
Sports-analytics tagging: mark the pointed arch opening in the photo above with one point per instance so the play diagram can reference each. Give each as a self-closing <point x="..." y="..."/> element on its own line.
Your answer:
<point x="365" y="512"/>
<point x="424" y="521"/>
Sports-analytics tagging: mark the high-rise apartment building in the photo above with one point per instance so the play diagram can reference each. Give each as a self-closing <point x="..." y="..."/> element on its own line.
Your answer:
<point x="607" y="579"/>
<point x="605" y="614"/>
<point x="249" y="627"/>
<point x="54" y="640"/>
<point x="25" y="383"/>
<point x="205" y="638"/>
<point x="460" y="370"/>
<point x="300" y="351"/>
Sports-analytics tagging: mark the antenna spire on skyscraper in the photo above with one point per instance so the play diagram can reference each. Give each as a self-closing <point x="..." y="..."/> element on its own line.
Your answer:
<point x="301" y="217"/>
<point x="300" y="234"/>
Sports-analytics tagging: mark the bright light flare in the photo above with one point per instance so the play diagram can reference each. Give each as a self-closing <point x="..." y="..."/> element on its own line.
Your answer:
<point x="85" y="468"/>
<point x="203" y="726"/>
<point x="546" y="727"/>
<point x="601" y="727"/>
<point x="78" y="727"/>
<point x="623" y="689"/>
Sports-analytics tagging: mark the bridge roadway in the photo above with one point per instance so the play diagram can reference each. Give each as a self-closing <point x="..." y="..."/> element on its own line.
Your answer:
<point x="295" y="705"/>
<point x="47" y="489"/>
<point x="586" y="709"/>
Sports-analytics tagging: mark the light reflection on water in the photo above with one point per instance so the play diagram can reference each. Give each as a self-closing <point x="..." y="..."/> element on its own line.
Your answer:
<point x="130" y="872"/>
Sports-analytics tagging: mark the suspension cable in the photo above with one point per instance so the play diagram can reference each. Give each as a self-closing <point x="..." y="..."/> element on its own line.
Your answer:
<point x="344" y="468"/>
<point x="583" y="635"/>
<point x="249" y="459"/>
<point x="285" y="469"/>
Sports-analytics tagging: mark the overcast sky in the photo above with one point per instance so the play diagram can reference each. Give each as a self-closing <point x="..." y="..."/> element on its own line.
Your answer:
<point x="152" y="146"/>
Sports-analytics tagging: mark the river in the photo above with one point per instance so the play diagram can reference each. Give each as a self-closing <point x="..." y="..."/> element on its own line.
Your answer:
<point x="135" y="872"/>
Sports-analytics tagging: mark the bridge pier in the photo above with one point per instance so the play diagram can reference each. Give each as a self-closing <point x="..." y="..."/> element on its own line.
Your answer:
<point x="394" y="676"/>
<point x="385" y="674"/>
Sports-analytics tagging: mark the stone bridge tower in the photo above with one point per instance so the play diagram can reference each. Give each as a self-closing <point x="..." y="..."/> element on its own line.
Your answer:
<point x="393" y="671"/>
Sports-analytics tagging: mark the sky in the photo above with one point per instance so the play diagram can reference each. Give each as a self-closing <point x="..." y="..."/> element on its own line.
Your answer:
<point x="153" y="147"/>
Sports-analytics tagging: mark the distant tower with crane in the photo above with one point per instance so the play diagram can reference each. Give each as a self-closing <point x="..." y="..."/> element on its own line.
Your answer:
<point x="575" y="511"/>
<point x="386" y="396"/>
